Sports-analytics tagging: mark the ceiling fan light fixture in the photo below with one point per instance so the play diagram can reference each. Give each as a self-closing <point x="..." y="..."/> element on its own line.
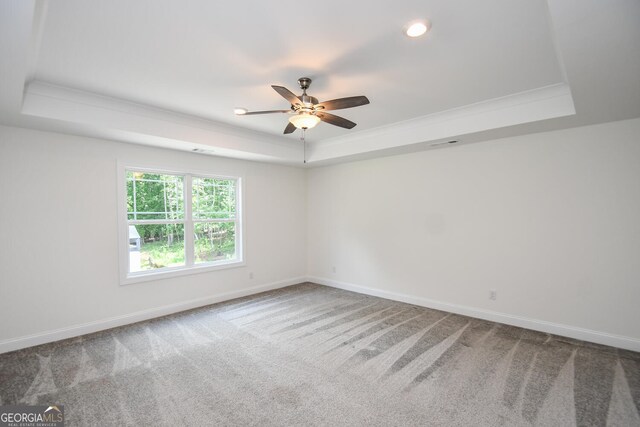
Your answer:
<point x="240" y="111"/>
<point x="417" y="28"/>
<point x="304" y="120"/>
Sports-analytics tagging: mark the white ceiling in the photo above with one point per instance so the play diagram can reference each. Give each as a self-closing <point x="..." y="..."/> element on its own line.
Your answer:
<point x="180" y="67"/>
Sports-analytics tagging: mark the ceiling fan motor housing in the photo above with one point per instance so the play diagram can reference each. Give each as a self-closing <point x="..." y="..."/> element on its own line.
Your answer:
<point x="307" y="102"/>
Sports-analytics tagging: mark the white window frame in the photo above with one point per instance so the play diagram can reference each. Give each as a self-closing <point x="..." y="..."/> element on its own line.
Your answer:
<point x="190" y="266"/>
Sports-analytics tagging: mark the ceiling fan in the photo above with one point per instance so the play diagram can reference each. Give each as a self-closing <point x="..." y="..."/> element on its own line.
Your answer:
<point x="306" y="111"/>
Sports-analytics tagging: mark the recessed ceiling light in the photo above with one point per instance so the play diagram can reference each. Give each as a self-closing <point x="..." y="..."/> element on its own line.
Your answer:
<point x="417" y="28"/>
<point x="240" y="111"/>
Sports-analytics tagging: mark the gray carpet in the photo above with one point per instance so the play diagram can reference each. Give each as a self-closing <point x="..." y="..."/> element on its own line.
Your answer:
<point x="312" y="355"/>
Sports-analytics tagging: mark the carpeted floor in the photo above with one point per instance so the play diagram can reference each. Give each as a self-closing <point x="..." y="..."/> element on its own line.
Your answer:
<point x="312" y="355"/>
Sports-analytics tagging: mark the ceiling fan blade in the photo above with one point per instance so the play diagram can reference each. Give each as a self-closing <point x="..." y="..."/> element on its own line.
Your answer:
<point x="248" y="113"/>
<point x="289" y="129"/>
<point x="338" y="104"/>
<point x="286" y="94"/>
<point x="335" y="120"/>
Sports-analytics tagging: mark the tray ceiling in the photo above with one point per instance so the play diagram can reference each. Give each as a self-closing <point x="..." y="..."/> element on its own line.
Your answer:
<point x="182" y="66"/>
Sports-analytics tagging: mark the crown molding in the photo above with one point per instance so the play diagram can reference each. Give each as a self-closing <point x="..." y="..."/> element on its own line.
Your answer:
<point x="118" y="118"/>
<point x="137" y="123"/>
<point x="525" y="107"/>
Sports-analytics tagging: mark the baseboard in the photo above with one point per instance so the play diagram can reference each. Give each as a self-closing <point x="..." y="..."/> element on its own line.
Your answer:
<point x="100" y="325"/>
<point x="523" y="322"/>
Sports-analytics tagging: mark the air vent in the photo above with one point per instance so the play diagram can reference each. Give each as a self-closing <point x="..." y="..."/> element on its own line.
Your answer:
<point x="453" y="141"/>
<point x="202" y="151"/>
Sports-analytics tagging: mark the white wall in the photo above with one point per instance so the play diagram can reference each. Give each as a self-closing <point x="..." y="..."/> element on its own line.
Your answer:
<point x="58" y="235"/>
<point x="550" y="220"/>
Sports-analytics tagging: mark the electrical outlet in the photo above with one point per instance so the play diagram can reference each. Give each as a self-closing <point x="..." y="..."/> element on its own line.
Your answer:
<point x="333" y="269"/>
<point x="251" y="275"/>
<point x="493" y="294"/>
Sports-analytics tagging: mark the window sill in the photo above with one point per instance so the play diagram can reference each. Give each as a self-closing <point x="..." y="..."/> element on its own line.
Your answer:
<point x="178" y="271"/>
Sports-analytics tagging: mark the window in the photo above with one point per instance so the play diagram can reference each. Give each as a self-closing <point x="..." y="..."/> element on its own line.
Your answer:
<point x="176" y="223"/>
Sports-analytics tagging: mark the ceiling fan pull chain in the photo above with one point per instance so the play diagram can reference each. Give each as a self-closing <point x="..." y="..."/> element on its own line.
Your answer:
<point x="304" y="145"/>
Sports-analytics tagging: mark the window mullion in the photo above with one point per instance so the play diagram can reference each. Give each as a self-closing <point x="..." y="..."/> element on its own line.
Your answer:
<point x="135" y="203"/>
<point x="188" y="221"/>
<point x="238" y="218"/>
